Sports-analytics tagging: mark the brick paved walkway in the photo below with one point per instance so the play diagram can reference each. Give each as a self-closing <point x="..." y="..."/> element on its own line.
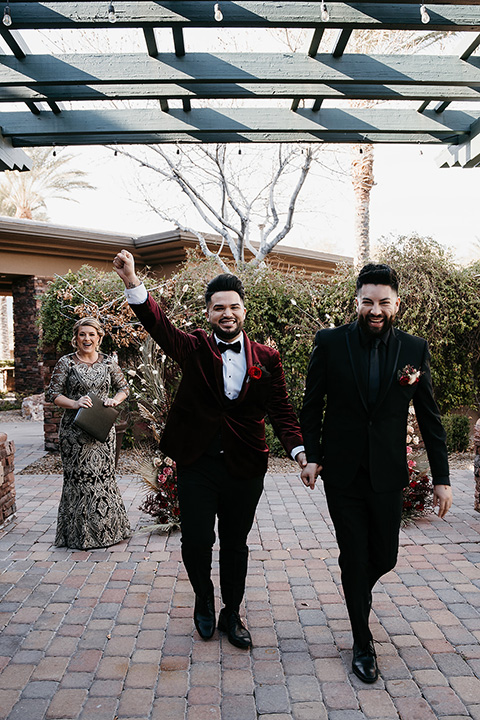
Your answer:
<point x="108" y="634"/>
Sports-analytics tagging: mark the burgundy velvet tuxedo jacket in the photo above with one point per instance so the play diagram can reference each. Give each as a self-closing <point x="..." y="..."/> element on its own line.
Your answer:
<point x="201" y="410"/>
<point x="341" y="431"/>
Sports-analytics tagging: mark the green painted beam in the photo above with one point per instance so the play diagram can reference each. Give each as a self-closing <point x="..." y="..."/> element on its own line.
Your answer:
<point x="247" y="13"/>
<point x="85" y="69"/>
<point x="80" y="126"/>
<point x="13" y="158"/>
<point x="154" y="91"/>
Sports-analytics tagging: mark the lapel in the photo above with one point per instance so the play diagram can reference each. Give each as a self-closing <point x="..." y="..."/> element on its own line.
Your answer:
<point x="217" y="365"/>
<point x="249" y="359"/>
<point x="358" y="359"/>
<point x="394" y="345"/>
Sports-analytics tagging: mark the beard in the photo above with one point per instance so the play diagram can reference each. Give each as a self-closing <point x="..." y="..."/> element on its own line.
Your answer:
<point x="387" y="324"/>
<point x="227" y="335"/>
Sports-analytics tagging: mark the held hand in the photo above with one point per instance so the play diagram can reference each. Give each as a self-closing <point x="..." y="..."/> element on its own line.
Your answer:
<point x="301" y="459"/>
<point x="84" y="402"/>
<point x="111" y="402"/>
<point x="124" y="266"/>
<point x="309" y="474"/>
<point x="442" y="496"/>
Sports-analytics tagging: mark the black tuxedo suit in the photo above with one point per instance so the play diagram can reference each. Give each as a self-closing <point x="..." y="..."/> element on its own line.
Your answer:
<point x="362" y="450"/>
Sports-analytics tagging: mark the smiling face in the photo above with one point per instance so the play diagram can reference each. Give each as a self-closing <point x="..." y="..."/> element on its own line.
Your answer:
<point x="88" y="339"/>
<point x="377" y="306"/>
<point x="226" y="314"/>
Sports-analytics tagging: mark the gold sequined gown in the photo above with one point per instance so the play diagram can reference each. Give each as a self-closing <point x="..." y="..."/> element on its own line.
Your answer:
<point x="91" y="513"/>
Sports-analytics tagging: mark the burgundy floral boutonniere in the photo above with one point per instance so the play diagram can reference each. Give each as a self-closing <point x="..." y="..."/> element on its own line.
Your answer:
<point x="256" y="372"/>
<point x="409" y="375"/>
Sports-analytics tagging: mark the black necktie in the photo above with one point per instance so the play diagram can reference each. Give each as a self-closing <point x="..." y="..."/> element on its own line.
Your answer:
<point x="236" y="346"/>
<point x="374" y="372"/>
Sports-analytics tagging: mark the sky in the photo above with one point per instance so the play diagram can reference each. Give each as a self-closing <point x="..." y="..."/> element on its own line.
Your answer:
<point x="411" y="195"/>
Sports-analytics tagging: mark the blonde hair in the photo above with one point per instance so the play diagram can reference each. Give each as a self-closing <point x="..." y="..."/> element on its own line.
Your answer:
<point x="92" y="322"/>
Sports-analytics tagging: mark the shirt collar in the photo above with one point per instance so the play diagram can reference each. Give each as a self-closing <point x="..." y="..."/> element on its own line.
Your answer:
<point x="365" y="338"/>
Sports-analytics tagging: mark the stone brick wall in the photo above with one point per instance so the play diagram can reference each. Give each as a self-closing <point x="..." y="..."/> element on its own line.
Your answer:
<point x="51" y="413"/>
<point x="27" y="292"/>
<point x="7" y="480"/>
<point x="476" y="464"/>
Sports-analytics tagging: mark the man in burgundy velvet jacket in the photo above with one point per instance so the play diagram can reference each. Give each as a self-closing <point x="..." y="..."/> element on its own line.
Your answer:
<point x="215" y="432"/>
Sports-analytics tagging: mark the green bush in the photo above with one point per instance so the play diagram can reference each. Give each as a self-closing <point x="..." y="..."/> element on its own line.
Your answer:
<point x="273" y="443"/>
<point x="285" y="309"/>
<point x="457" y="428"/>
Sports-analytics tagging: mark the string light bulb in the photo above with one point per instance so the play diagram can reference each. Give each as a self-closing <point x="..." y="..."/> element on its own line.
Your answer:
<point x="7" y="16"/>
<point x="324" y="14"/>
<point x="217" y="13"/>
<point x="112" y="15"/>
<point x="425" y="17"/>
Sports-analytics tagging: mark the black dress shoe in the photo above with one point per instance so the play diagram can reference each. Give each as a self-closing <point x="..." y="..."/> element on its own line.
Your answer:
<point x="237" y="633"/>
<point x="364" y="663"/>
<point x="204" y="616"/>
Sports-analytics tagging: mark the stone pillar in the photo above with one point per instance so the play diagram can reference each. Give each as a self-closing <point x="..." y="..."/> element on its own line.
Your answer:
<point x="476" y="465"/>
<point x="27" y="292"/>
<point x="5" y="349"/>
<point x="7" y="480"/>
<point x="51" y="413"/>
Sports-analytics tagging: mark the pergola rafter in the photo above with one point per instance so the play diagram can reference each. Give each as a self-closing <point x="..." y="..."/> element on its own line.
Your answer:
<point x="325" y="82"/>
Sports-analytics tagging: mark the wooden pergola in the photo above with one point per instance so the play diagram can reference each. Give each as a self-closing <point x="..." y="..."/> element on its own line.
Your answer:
<point x="66" y="98"/>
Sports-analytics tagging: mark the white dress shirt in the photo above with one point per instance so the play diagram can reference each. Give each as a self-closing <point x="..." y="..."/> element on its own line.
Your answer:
<point x="234" y="369"/>
<point x="234" y="364"/>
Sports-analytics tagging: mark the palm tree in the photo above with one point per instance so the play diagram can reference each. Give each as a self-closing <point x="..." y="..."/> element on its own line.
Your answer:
<point x="25" y="194"/>
<point x="362" y="157"/>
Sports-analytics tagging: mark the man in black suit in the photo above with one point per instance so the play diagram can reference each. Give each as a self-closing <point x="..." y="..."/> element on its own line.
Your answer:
<point x="360" y="382"/>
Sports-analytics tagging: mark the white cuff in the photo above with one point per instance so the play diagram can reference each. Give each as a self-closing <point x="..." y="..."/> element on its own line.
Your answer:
<point x="136" y="295"/>
<point x="296" y="450"/>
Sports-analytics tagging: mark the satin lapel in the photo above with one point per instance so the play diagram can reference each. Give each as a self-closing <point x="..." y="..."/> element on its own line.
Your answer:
<point x="249" y="359"/>
<point x="355" y="355"/>
<point x="217" y="366"/>
<point x="394" y="346"/>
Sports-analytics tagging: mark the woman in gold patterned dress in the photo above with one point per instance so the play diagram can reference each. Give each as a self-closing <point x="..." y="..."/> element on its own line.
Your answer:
<point x="91" y="513"/>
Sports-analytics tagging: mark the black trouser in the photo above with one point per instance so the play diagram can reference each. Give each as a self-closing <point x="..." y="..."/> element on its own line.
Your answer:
<point x="207" y="490"/>
<point x="367" y="526"/>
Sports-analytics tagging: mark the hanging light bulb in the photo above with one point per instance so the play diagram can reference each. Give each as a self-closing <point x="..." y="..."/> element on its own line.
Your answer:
<point x="7" y="16"/>
<point x="424" y="14"/>
<point x="324" y="12"/>
<point x="112" y="16"/>
<point x="217" y="13"/>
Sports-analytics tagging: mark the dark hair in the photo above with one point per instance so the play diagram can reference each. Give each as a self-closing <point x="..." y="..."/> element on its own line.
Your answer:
<point x="224" y="282"/>
<point x="377" y="274"/>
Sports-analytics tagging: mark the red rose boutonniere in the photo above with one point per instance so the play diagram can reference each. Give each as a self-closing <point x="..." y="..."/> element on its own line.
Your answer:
<point x="255" y="372"/>
<point x="409" y="375"/>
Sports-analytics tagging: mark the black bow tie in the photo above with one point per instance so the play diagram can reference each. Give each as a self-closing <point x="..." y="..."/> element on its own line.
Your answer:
<point x="236" y="346"/>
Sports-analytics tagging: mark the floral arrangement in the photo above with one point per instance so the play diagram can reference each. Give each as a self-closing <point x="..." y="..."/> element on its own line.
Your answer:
<point x="161" y="501"/>
<point x="159" y="474"/>
<point x="418" y="495"/>
<point x="409" y="375"/>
